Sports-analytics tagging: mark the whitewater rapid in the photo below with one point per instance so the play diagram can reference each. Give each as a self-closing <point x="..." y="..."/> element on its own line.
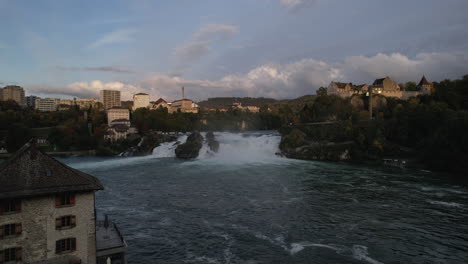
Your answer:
<point x="250" y="147"/>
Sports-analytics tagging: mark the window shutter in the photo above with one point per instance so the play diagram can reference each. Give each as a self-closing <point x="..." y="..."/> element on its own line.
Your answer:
<point x="2" y="259"/>
<point x="73" y="220"/>
<point x="72" y="199"/>
<point x="58" y="222"/>
<point x="57" y="202"/>
<point x="1" y="234"/>
<point x="18" y="205"/>
<point x="73" y="243"/>
<point x="18" y="229"/>
<point x="18" y="254"/>
<point x="57" y="246"/>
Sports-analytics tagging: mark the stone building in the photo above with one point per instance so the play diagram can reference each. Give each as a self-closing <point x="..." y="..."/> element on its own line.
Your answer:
<point x="110" y="98"/>
<point x="383" y="86"/>
<point x="31" y="101"/>
<point x="47" y="212"/>
<point x="141" y="100"/>
<point x="346" y="89"/>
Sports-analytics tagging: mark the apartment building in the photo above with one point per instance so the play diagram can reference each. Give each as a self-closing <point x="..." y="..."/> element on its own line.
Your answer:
<point x="116" y="113"/>
<point x="47" y="104"/>
<point x="13" y="92"/>
<point x="110" y="98"/>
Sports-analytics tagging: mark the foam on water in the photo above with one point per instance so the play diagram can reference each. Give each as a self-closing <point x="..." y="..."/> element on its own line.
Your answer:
<point x="234" y="148"/>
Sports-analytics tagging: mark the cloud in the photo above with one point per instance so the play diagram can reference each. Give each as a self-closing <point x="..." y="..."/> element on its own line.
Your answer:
<point x="295" y="5"/>
<point x="288" y="80"/>
<point x="117" y="36"/>
<point x="200" y="44"/>
<point x="113" y="69"/>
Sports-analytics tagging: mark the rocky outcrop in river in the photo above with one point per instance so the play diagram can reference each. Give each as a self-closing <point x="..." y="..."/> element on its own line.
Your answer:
<point x="144" y="145"/>
<point x="212" y="142"/>
<point x="191" y="148"/>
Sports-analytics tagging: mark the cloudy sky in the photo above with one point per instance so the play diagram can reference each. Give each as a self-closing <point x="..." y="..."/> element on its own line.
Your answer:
<point x="270" y="48"/>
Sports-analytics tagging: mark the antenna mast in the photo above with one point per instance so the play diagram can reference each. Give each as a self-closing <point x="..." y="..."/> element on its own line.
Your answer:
<point x="183" y="92"/>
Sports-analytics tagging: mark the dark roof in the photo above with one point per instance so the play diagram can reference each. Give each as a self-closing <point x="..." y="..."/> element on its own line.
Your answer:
<point x="160" y="100"/>
<point x="342" y="85"/>
<point x="424" y="81"/>
<point x="120" y="127"/>
<point x="379" y="82"/>
<point x="141" y="94"/>
<point x="31" y="172"/>
<point x="120" y="120"/>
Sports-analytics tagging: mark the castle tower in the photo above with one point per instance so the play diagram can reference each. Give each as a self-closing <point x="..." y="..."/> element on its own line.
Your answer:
<point x="425" y="87"/>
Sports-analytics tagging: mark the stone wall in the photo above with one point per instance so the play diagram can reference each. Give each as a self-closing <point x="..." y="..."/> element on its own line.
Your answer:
<point x="39" y="235"/>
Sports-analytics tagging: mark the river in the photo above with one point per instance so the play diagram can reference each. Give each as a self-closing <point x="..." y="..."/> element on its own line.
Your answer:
<point x="246" y="205"/>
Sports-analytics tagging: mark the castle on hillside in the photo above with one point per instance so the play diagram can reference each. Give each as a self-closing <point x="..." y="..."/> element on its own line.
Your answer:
<point x="384" y="86"/>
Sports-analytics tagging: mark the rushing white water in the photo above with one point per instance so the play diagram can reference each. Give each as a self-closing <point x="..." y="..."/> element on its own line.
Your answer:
<point x="233" y="148"/>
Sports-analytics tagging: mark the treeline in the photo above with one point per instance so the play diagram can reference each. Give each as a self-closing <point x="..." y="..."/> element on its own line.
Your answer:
<point x="430" y="128"/>
<point x="229" y="101"/>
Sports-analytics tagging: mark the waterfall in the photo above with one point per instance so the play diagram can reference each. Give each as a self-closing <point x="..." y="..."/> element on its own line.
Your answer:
<point x="234" y="147"/>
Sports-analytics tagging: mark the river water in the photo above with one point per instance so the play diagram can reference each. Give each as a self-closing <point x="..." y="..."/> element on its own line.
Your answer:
<point x="246" y="205"/>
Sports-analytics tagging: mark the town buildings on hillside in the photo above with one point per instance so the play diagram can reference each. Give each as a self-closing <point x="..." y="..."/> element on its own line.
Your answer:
<point x="13" y="92"/>
<point x="249" y="108"/>
<point x="163" y="104"/>
<point x="48" y="214"/>
<point x="110" y="98"/>
<point x="384" y="86"/>
<point x="119" y="125"/>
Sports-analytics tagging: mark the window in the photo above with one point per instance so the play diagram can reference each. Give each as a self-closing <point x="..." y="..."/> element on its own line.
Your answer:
<point x="10" y="230"/>
<point x="65" y="245"/>
<point x="10" y="254"/>
<point x="10" y="206"/>
<point x="63" y="222"/>
<point x="65" y="199"/>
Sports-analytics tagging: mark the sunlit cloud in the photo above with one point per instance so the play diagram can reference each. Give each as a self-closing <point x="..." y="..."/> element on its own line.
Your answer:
<point x="288" y="80"/>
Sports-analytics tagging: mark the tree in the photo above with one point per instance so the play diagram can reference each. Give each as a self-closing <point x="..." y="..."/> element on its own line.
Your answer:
<point x="322" y="91"/>
<point x="17" y="136"/>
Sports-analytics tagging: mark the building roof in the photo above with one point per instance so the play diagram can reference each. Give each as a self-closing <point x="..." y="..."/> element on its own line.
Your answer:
<point x="424" y="81"/>
<point x="108" y="236"/>
<point x="31" y="172"/>
<point x="160" y="100"/>
<point x="120" y="127"/>
<point x="141" y="94"/>
<point x="120" y="120"/>
<point x="182" y="100"/>
<point x="379" y="82"/>
<point x="342" y="85"/>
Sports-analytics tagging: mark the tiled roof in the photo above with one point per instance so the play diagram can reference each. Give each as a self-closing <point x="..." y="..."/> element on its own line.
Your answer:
<point x="341" y="85"/>
<point x="424" y="81"/>
<point x="160" y="100"/>
<point x="31" y="172"/>
<point x="379" y="82"/>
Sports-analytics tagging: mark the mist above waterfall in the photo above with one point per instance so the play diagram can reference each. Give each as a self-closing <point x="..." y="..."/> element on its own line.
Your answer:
<point x="235" y="148"/>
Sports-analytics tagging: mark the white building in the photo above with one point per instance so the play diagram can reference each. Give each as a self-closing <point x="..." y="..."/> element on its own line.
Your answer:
<point x="47" y="104"/>
<point x="141" y="100"/>
<point x="117" y="113"/>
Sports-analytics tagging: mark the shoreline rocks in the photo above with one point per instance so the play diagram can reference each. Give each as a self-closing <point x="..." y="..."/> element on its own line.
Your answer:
<point x="213" y="144"/>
